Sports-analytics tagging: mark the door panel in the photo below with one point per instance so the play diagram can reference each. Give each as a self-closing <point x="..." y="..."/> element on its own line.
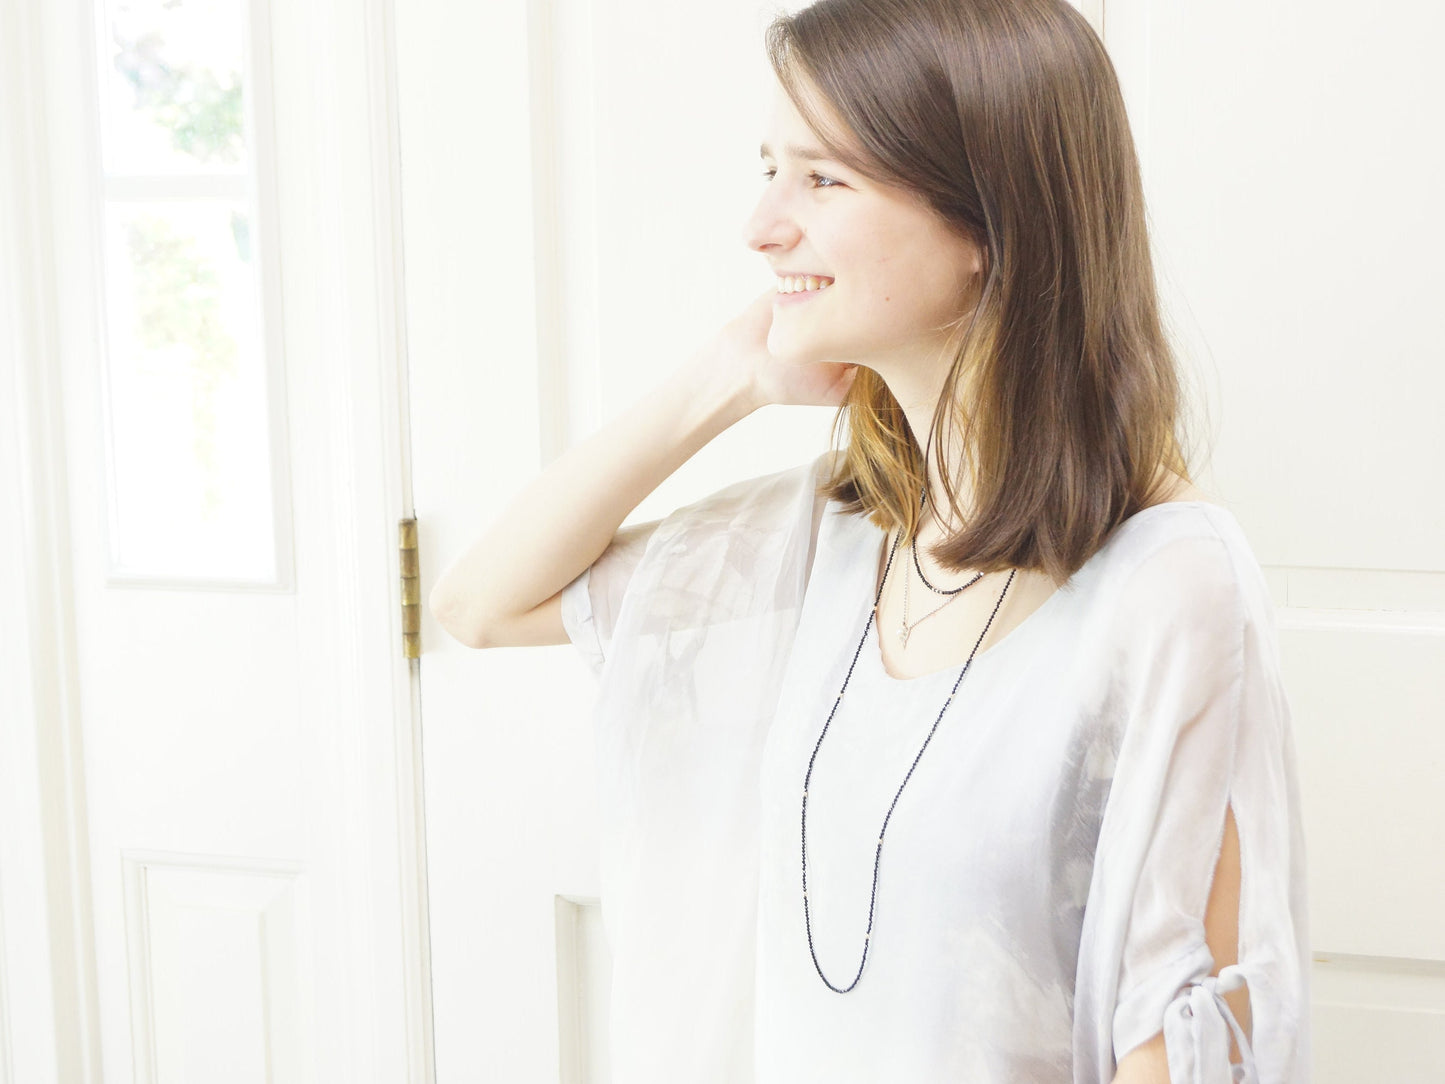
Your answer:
<point x="223" y="748"/>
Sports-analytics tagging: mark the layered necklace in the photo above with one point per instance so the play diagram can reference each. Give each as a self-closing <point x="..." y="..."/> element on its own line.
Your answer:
<point x="903" y="632"/>
<point x="906" y="629"/>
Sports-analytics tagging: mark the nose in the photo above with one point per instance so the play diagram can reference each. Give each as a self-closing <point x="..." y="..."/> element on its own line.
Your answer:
<point x="771" y="225"/>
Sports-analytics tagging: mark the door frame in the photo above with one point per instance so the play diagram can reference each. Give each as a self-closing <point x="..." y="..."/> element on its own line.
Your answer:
<point x="360" y="690"/>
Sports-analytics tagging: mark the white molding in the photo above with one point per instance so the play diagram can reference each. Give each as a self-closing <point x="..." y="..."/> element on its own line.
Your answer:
<point x="1123" y="25"/>
<point x="584" y="981"/>
<point x="1409" y="966"/>
<point x="1420" y="623"/>
<point x="266" y="212"/>
<point x="565" y="129"/>
<point x="361" y="697"/>
<point x="1369" y="590"/>
<point x="553" y="391"/>
<point x="406" y="736"/>
<point x="48" y="992"/>
<point x="270" y="891"/>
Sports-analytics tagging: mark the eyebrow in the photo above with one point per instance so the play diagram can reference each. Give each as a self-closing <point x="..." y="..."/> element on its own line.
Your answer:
<point x="793" y="150"/>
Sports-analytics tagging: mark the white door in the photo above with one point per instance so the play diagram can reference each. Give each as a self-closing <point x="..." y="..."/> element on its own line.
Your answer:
<point x="575" y="178"/>
<point x="210" y="830"/>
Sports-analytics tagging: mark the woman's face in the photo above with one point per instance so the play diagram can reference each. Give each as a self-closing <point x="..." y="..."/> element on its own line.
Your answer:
<point x="899" y="274"/>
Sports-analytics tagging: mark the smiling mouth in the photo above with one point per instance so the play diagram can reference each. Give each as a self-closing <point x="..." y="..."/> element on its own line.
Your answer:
<point x="792" y="285"/>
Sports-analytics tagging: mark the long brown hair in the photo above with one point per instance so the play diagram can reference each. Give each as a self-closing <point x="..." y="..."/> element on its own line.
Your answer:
<point x="1005" y="116"/>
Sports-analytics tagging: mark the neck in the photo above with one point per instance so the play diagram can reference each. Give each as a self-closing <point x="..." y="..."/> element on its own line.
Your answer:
<point x="918" y="403"/>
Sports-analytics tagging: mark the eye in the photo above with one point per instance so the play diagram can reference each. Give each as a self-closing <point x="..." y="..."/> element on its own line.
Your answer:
<point x="824" y="182"/>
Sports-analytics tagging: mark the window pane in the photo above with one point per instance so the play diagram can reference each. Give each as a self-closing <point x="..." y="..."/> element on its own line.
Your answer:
<point x="171" y="87"/>
<point x="190" y="449"/>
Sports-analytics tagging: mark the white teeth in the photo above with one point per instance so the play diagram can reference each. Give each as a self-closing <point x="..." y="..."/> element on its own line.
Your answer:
<point x="792" y="284"/>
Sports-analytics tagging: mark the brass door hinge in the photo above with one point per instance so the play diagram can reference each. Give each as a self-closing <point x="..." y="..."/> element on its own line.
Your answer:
<point x="410" y="590"/>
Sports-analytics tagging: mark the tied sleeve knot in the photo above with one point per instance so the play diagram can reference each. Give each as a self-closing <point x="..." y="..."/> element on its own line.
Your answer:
<point x="1196" y="1033"/>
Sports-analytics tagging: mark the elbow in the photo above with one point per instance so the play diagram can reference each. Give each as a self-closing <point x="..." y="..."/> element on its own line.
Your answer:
<point x="452" y="616"/>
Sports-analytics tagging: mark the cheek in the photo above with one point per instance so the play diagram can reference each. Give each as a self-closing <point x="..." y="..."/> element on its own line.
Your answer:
<point x="939" y="288"/>
<point x="900" y="278"/>
<point x="904" y="274"/>
<point x="909" y="296"/>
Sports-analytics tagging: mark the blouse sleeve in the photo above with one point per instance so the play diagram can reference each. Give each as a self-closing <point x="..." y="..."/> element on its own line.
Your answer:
<point x="702" y="564"/>
<point x="695" y="653"/>
<point x="1212" y="730"/>
<point x="592" y="601"/>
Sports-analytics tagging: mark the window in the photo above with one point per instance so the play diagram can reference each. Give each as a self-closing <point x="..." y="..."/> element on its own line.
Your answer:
<point x="192" y="382"/>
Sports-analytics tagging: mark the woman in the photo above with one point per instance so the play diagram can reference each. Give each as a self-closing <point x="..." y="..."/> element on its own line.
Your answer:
<point x="954" y="758"/>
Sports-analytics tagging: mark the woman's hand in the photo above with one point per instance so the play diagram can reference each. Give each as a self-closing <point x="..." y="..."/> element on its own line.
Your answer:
<point x="741" y="349"/>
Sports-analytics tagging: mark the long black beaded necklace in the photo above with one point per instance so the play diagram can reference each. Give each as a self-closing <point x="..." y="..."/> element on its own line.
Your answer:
<point x="878" y="854"/>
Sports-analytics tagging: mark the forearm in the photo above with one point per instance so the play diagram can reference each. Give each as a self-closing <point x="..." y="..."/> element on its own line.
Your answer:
<point x="561" y="522"/>
<point x="1147" y="1063"/>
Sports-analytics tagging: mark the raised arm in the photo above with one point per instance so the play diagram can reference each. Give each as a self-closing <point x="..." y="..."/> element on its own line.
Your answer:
<point x="505" y="588"/>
